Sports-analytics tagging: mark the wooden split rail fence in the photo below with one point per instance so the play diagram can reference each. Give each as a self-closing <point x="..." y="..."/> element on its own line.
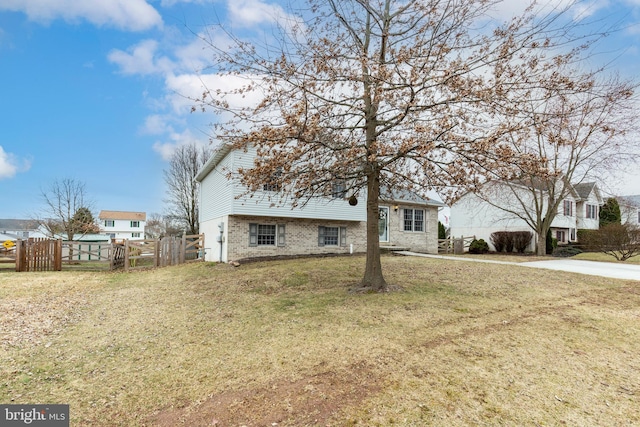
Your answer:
<point x="158" y="252"/>
<point x="455" y="245"/>
<point x="48" y="254"/>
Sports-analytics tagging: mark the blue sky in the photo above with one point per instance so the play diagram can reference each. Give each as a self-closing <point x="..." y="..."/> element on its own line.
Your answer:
<point x="95" y="90"/>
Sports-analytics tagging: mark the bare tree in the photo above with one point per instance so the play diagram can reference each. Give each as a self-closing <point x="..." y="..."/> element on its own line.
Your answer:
<point x="159" y="226"/>
<point x="381" y="94"/>
<point x="182" y="189"/>
<point x="68" y="209"/>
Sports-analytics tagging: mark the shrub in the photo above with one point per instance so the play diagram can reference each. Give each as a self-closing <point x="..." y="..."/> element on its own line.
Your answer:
<point x="585" y="237"/>
<point x="499" y="240"/>
<point x="510" y="243"/>
<point x="566" y="251"/>
<point x="478" y="247"/>
<point x="621" y="241"/>
<point x="521" y="240"/>
<point x="549" y="243"/>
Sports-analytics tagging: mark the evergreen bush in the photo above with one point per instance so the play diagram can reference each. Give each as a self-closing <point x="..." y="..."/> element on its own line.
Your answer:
<point x="478" y="246"/>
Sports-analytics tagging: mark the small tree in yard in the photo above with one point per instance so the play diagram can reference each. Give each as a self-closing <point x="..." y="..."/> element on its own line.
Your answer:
<point x="621" y="241"/>
<point x="67" y="209"/>
<point x="442" y="232"/>
<point x="610" y="212"/>
<point x="396" y="94"/>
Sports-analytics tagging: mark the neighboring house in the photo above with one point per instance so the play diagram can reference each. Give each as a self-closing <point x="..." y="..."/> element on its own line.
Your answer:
<point x="473" y="216"/>
<point x="629" y="209"/>
<point x="21" y="228"/>
<point x="262" y="225"/>
<point x="120" y="225"/>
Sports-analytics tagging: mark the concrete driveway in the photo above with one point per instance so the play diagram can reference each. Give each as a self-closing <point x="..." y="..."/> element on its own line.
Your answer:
<point x="593" y="268"/>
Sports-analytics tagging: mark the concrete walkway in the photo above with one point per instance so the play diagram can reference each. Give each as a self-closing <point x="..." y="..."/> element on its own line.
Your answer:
<point x="593" y="268"/>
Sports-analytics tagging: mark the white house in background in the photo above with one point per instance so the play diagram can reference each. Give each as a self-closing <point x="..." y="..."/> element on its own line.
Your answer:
<point x="473" y="216"/>
<point x="238" y="227"/>
<point x="629" y="209"/>
<point x="21" y="229"/>
<point x="120" y="225"/>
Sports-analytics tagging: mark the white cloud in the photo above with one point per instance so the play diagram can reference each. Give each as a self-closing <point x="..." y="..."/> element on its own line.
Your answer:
<point x="185" y="88"/>
<point x="134" y="15"/>
<point x="141" y="59"/>
<point x="156" y="124"/>
<point x="166" y="149"/>
<point x="9" y="164"/>
<point x="248" y="13"/>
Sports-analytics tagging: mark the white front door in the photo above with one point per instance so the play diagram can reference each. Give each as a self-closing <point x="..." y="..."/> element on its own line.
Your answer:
<point x="383" y="224"/>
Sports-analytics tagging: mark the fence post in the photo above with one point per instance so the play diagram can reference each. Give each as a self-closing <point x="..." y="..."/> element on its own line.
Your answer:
<point x="57" y="256"/>
<point x="19" y="251"/>
<point x="156" y="253"/>
<point x="183" y="249"/>
<point x="126" y="254"/>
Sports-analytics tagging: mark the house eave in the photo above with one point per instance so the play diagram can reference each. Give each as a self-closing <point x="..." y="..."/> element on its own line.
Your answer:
<point x="219" y="154"/>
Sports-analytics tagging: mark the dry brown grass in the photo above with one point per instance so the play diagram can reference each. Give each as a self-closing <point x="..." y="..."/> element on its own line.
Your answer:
<point x="284" y="342"/>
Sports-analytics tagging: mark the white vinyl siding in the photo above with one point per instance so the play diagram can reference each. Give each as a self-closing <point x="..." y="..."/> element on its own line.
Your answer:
<point x="269" y="204"/>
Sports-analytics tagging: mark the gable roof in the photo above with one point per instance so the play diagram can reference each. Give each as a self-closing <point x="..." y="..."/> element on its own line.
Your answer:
<point x="135" y="216"/>
<point x="585" y="189"/>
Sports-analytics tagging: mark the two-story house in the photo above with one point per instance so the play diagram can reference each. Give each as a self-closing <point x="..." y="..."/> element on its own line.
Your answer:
<point x="238" y="226"/>
<point x="120" y="225"/>
<point x="473" y="215"/>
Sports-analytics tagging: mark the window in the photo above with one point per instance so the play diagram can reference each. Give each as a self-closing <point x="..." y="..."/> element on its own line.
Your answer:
<point x="592" y="211"/>
<point x="339" y="189"/>
<point x="135" y="224"/>
<point x="567" y="208"/>
<point x="273" y="183"/>
<point x="135" y="234"/>
<point x="109" y="223"/>
<point x="560" y="236"/>
<point x="332" y="236"/>
<point x="573" y="235"/>
<point x="266" y="234"/>
<point x="413" y="220"/>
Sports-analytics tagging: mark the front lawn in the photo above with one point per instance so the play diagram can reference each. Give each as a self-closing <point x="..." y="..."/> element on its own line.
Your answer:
<point x="285" y="342"/>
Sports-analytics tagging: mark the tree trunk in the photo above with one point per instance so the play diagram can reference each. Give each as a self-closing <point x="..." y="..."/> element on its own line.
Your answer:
<point x="541" y="244"/>
<point x="373" y="279"/>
